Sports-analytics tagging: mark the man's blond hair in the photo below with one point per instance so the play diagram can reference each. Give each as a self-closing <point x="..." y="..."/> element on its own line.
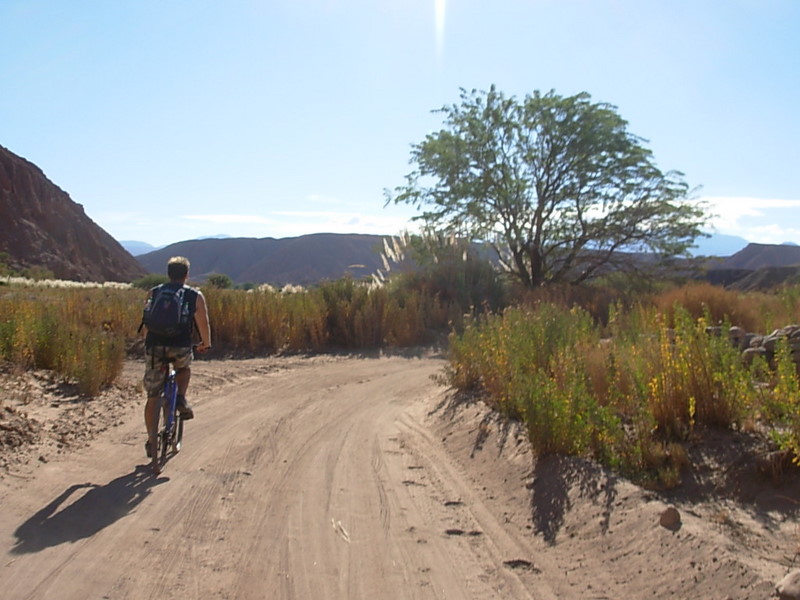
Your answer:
<point x="177" y="268"/>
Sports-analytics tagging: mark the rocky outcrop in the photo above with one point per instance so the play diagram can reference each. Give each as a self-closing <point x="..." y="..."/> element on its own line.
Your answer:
<point x="766" y="346"/>
<point x="41" y="226"/>
<point x="753" y="345"/>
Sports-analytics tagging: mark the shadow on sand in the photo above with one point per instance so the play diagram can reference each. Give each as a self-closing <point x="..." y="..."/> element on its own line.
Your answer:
<point x="555" y="477"/>
<point x="92" y="511"/>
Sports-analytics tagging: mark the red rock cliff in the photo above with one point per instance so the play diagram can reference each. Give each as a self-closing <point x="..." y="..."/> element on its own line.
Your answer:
<point x="40" y="225"/>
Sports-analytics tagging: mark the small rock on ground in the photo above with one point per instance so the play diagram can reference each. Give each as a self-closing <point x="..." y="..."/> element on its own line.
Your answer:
<point x="789" y="587"/>
<point x="670" y="518"/>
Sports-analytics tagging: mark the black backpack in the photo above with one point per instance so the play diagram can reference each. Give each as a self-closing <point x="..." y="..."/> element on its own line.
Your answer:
<point x="167" y="312"/>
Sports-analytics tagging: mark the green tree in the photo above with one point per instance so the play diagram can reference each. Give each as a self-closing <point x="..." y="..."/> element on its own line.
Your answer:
<point x="557" y="185"/>
<point x="220" y="281"/>
<point x="149" y="281"/>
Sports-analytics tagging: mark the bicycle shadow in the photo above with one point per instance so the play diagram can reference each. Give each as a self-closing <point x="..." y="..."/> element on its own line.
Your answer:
<point x="98" y="508"/>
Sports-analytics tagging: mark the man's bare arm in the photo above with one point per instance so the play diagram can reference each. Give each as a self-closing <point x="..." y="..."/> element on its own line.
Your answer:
<point x="203" y="326"/>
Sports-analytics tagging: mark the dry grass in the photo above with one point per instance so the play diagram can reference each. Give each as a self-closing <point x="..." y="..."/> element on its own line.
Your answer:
<point x="753" y="311"/>
<point x="632" y="390"/>
<point x="82" y="330"/>
<point x="587" y="371"/>
<point x="78" y="331"/>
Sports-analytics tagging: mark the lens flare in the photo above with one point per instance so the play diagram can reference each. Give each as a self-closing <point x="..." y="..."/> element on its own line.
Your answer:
<point x="439" y="10"/>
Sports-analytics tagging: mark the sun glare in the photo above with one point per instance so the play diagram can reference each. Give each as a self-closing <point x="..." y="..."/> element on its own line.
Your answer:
<point x="439" y="10"/>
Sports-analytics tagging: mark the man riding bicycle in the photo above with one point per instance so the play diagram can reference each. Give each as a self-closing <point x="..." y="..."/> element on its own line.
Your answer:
<point x="172" y="311"/>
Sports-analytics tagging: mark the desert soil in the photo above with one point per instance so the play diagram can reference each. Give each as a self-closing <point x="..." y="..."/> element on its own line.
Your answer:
<point x="350" y="477"/>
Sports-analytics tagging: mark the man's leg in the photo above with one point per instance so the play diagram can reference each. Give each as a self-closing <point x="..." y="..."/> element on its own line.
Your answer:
<point x="151" y="421"/>
<point x="152" y="381"/>
<point x="182" y="377"/>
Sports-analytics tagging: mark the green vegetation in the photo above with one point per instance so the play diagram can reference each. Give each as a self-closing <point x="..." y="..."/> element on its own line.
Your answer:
<point x="149" y="281"/>
<point x="631" y="392"/>
<point x="556" y="184"/>
<point x="450" y="269"/>
<point x="220" y="281"/>
<point x="589" y="371"/>
<point x="35" y="273"/>
<point x="342" y="314"/>
<point x="80" y="333"/>
<point x="567" y="197"/>
<point x="83" y="332"/>
<point x="5" y="270"/>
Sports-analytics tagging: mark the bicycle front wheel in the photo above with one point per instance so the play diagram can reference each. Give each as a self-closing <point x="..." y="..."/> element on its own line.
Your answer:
<point x="178" y="441"/>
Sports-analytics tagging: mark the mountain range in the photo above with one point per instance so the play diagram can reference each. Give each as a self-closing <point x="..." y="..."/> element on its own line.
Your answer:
<point x="136" y="248"/>
<point x="41" y="226"/>
<point x="299" y="260"/>
<point x="714" y="245"/>
<point x="311" y="258"/>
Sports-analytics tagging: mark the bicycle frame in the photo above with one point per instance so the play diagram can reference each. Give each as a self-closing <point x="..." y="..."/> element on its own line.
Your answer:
<point x="169" y="397"/>
<point x="171" y="434"/>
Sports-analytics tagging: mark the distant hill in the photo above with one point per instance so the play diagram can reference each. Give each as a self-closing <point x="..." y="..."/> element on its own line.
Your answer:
<point x="719" y="244"/>
<point x="40" y="226"/>
<point x="757" y="256"/>
<point x="757" y="267"/>
<point x="309" y="259"/>
<point x="136" y="248"/>
<point x="299" y="260"/>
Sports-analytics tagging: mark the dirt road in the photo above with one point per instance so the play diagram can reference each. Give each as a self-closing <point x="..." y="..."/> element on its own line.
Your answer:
<point x="330" y="478"/>
<point x="316" y="479"/>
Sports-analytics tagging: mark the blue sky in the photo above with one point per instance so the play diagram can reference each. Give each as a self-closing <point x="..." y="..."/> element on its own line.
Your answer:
<point x="179" y="119"/>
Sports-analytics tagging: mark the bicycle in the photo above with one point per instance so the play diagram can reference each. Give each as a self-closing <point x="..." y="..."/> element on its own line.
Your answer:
<point x="171" y="434"/>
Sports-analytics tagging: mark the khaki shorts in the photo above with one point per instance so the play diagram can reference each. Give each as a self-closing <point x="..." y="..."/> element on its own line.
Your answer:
<point x="153" y="375"/>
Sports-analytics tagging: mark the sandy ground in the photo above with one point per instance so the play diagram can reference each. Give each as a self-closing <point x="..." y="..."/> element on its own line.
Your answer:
<point x="337" y="477"/>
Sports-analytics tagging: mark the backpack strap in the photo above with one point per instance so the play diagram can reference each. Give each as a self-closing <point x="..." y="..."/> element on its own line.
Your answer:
<point x="149" y="298"/>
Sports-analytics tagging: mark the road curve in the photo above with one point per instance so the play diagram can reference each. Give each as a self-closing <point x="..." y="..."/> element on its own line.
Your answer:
<point x="305" y="479"/>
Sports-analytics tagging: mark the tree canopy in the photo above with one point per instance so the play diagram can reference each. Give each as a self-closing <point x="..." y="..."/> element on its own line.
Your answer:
<point x="219" y="281"/>
<point x="557" y="185"/>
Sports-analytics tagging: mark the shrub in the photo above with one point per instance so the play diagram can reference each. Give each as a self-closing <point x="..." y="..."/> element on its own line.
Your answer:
<point x="38" y="273"/>
<point x="631" y="399"/>
<point x="80" y="333"/>
<point x="219" y="281"/>
<point x="714" y="303"/>
<point x="149" y="281"/>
